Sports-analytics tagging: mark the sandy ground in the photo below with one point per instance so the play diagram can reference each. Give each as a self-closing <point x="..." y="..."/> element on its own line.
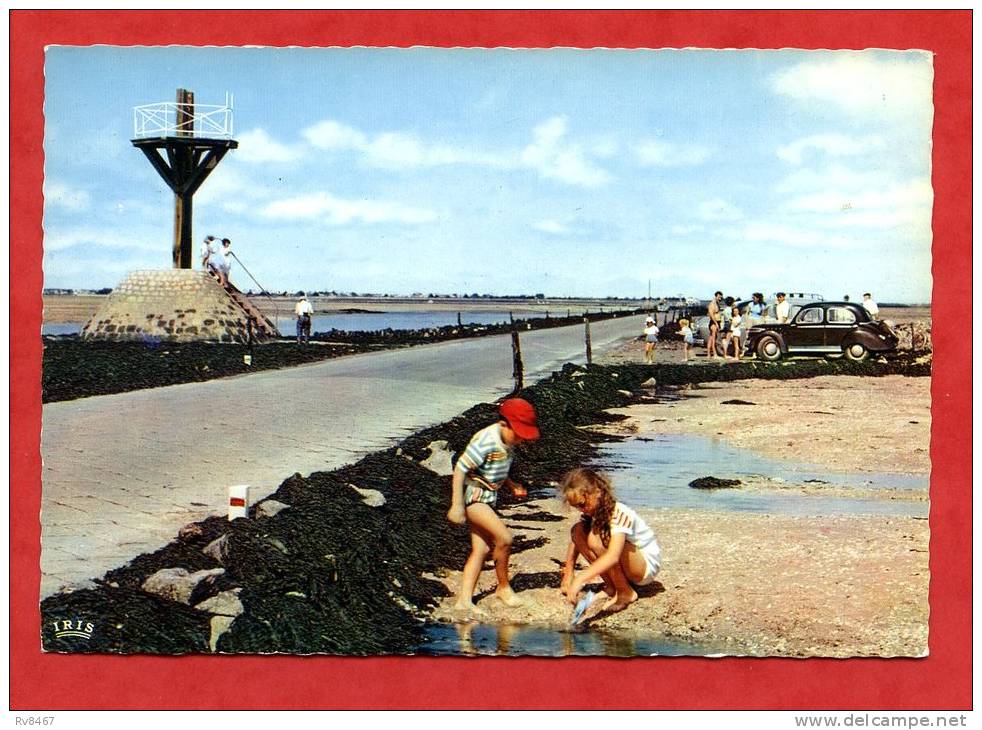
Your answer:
<point x="739" y="583"/>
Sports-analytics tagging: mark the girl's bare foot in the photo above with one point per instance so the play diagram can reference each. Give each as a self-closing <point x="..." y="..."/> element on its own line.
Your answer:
<point x="508" y="597"/>
<point x="620" y="602"/>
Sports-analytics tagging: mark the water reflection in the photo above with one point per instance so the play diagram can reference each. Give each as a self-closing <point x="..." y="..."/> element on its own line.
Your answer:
<point x="476" y="639"/>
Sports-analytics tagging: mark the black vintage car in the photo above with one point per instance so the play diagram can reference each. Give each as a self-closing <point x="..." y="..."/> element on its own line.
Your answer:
<point x="823" y="328"/>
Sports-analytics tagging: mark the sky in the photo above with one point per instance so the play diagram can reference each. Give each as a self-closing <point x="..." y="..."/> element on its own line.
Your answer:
<point x="557" y="171"/>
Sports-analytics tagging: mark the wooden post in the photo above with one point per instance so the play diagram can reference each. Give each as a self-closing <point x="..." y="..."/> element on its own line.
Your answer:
<point x="182" y="202"/>
<point x="511" y="318"/>
<point x="518" y="368"/>
<point x="458" y="320"/>
<point x="589" y="343"/>
<point x="912" y="336"/>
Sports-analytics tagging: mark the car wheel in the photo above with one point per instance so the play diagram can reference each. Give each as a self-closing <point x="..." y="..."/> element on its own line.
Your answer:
<point x="769" y="349"/>
<point x="856" y="352"/>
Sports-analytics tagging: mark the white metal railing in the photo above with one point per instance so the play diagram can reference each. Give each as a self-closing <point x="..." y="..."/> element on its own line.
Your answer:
<point x="161" y="120"/>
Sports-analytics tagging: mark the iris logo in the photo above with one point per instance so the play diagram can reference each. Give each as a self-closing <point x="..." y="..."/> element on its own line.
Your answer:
<point x="75" y="628"/>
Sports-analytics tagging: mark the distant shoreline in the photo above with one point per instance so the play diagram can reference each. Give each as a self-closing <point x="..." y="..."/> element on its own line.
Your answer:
<point x="78" y="308"/>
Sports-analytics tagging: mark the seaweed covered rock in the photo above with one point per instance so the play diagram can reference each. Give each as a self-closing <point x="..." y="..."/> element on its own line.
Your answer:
<point x="714" y="483"/>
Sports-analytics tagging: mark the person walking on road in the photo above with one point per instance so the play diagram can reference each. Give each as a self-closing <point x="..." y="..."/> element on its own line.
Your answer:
<point x="303" y="311"/>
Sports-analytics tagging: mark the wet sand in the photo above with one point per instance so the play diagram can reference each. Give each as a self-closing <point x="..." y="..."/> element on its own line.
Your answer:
<point x="765" y="584"/>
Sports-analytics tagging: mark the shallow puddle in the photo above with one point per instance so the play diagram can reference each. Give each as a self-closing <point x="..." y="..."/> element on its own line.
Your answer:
<point x="655" y="472"/>
<point x="513" y="640"/>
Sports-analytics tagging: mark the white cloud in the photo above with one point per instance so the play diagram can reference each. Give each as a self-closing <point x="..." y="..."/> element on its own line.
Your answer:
<point x="332" y="135"/>
<point x="550" y="153"/>
<point x="899" y="204"/>
<point x="660" y="153"/>
<point x="66" y="197"/>
<point x="862" y="82"/>
<point x="338" y="211"/>
<point x="257" y="146"/>
<point x="552" y="157"/>
<point x="551" y="226"/>
<point x="718" y="209"/>
<point x="836" y="176"/>
<point x="834" y="145"/>
<point x="57" y="238"/>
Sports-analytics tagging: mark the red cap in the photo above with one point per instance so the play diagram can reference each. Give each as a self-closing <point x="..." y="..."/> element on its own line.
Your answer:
<point x="521" y="417"/>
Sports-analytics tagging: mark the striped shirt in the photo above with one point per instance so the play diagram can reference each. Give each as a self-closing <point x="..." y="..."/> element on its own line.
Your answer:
<point x="627" y="521"/>
<point x="487" y="456"/>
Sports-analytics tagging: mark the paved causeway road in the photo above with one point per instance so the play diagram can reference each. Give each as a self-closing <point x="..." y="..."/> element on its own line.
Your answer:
<point x="123" y="473"/>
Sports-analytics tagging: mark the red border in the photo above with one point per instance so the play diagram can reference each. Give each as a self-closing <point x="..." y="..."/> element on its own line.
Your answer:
<point x="943" y="680"/>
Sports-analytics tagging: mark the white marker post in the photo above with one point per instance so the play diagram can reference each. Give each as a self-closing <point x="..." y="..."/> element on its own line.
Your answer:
<point x="238" y="501"/>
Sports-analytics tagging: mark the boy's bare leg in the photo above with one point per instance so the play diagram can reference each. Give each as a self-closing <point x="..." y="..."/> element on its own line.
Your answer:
<point x="472" y="569"/>
<point x="484" y="517"/>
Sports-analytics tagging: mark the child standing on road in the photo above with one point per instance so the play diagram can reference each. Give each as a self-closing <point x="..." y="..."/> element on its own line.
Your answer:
<point x="650" y="339"/>
<point x="687" y="339"/>
<point x="480" y="471"/>
<point x="617" y="543"/>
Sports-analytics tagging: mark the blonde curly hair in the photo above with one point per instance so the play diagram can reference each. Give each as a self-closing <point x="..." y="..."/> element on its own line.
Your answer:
<point x="582" y="482"/>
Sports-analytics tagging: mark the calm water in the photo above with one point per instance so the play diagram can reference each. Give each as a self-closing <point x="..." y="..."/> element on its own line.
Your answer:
<point x="61" y="328"/>
<point x="373" y="321"/>
<point x="362" y="322"/>
<point x="513" y="640"/>
<point x="656" y="473"/>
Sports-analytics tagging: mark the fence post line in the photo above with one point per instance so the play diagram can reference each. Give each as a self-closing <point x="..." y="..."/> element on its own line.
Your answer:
<point x="589" y="343"/>
<point x="518" y="368"/>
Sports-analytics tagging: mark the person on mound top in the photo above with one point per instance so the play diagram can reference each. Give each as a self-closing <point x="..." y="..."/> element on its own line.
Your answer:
<point x="220" y="261"/>
<point x="481" y="470"/>
<point x="207" y="249"/>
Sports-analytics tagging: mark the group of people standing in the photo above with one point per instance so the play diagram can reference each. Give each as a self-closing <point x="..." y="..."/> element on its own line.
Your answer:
<point x="726" y="321"/>
<point x="217" y="258"/>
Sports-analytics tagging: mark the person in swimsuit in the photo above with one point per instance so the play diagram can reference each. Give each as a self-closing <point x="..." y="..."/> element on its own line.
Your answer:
<point x="714" y="322"/>
<point x="480" y="472"/>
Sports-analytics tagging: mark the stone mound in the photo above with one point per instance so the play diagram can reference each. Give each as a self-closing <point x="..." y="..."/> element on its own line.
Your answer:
<point x="176" y="305"/>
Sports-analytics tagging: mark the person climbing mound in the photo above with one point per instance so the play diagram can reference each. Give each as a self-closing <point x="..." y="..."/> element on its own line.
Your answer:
<point x="480" y="472"/>
<point x="619" y="546"/>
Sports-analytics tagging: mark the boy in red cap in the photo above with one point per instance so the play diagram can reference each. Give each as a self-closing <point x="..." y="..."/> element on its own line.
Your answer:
<point x="481" y="471"/>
